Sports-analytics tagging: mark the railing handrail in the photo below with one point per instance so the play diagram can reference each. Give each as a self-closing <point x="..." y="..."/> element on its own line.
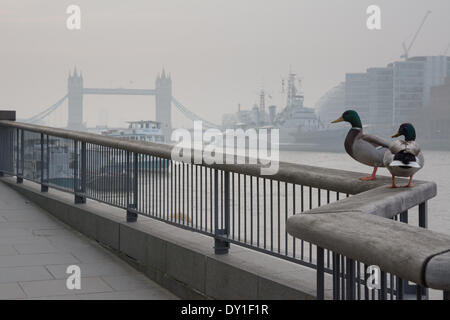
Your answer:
<point x="357" y="228"/>
<point x="311" y="176"/>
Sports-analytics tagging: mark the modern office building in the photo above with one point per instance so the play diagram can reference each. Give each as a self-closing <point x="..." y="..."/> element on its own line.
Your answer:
<point x="357" y="94"/>
<point x="409" y="87"/>
<point x="380" y="98"/>
<point x="398" y="93"/>
<point x="438" y="117"/>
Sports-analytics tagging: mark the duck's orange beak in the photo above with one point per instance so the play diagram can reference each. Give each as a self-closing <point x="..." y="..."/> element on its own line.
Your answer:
<point x="398" y="134"/>
<point x="340" y="119"/>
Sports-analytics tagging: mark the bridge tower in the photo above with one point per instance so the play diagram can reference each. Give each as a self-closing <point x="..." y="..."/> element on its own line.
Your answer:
<point x="75" y="101"/>
<point x="163" y="96"/>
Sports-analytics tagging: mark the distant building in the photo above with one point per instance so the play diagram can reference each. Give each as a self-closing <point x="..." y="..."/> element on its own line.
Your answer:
<point x="380" y="98"/>
<point x="357" y="94"/>
<point x="439" y="111"/>
<point x="332" y="104"/>
<point x="398" y="93"/>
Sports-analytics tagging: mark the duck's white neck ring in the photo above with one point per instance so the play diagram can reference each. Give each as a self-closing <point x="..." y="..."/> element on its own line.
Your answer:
<point x="356" y="128"/>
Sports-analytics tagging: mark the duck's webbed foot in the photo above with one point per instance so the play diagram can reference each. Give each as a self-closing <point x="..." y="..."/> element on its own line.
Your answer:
<point x="371" y="177"/>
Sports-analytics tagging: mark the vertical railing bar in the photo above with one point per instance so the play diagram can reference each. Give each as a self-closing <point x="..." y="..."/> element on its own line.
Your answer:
<point x="383" y="287"/>
<point x="251" y="210"/>
<point x="257" y="211"/>
<point x="211" y="199"/>
<point x="271" y="215"/>
<point x="245" y="208"/>
<point x="48" y="161"/>
<point x="265" y="211"/>
<point x="293" y="213"/>
<point x="233" y="205"/>
<point x="239" y="207"/>
<point x="279" y="218"/>
<point x="343" y="277"/>
<point x="172" y="175"/>
<point x="358" y="277"/>
<point x="192" y="199"/>
<point x="302" y="208"/>
<point x="310" y="208"/>
<point x="286" y="217"/>
<point x="201" y="198"/>
<point x="350" y="274"/>
<point x="320" y="280"/>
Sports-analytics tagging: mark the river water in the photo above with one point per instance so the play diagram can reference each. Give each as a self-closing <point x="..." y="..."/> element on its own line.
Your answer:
<point x="437" y="169"/>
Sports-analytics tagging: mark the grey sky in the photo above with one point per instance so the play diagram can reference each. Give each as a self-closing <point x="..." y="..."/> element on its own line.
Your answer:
<point x="219" y="52"/>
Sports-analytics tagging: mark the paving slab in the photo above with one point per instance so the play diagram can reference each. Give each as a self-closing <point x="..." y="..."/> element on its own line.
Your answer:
<point x="15" y="274"/>
<point x="58" y="287"/>
<point x="11" y="291"/>
<point x="36" y="249"/>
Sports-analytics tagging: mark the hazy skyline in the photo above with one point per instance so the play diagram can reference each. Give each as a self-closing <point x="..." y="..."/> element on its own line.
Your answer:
<point x="219" y="53"/>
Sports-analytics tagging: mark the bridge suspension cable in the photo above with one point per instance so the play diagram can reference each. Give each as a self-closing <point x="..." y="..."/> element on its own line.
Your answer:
<point x="45" y="113"/>
<point x="189" y="114"/>
<point x="185" y="111"/>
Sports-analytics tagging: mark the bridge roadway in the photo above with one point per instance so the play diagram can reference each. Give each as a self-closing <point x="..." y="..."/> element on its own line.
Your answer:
<point x="36" y="249"/>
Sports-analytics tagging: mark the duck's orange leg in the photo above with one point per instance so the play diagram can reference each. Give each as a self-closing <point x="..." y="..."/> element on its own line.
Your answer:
<point x="410" y="182"/>
<point x="371" y="177"/>
<point x="393" y="183"/>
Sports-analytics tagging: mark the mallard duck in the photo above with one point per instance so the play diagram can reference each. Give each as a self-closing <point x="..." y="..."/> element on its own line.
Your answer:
<point x="365" y="148"/>
<point x="404" y="158"/>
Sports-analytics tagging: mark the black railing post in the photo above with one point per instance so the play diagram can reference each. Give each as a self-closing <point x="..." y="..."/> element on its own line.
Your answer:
<point x="221" y="246"/>
<point x="75" y="170"/>
<point x="132" y="207"/>
<point x="383" y="286"/>
<point x="80" y="192"/>
<point x="423" y="215"/>
<point x="44" y="187"/>
<point x="350" y="283"/>
<point x="446" y="295"/>
<point x="407" y="288"/>
<point x="320" y="274"/>
<point x="20" y="156"/>
<point x="421" y="292"/>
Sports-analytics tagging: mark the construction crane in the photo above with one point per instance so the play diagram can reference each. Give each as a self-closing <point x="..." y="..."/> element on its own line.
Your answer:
<point x="405" y="49"/>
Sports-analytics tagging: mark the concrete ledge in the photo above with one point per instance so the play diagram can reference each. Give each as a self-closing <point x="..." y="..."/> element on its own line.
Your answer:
<point x="437" y="271"/>
<point x="357" y="228"/>
<point x="182" y="261"/>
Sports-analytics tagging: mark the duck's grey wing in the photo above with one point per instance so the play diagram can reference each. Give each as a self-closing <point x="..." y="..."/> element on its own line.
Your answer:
<point x="375" y="140"/>
<point x="413" y="147"/>
<point x="397" y="146"/>
<point x="401" y="145"/>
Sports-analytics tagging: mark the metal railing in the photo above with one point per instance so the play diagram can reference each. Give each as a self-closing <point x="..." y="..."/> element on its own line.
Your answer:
<point x="231" y="203"/>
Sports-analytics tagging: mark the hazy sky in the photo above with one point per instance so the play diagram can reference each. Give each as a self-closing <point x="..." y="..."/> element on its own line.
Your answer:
<point x="219" y="52"/>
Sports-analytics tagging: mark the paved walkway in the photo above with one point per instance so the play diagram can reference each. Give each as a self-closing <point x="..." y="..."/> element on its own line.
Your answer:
<point x="36" y="249"/>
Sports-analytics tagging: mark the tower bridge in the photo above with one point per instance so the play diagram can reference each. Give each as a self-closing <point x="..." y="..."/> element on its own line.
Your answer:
<point x="162" y="93"/>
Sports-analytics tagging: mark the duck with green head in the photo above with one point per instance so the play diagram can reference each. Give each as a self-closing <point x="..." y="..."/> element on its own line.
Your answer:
<point x="365" y="148"/>
<point x="404" y="158"/>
